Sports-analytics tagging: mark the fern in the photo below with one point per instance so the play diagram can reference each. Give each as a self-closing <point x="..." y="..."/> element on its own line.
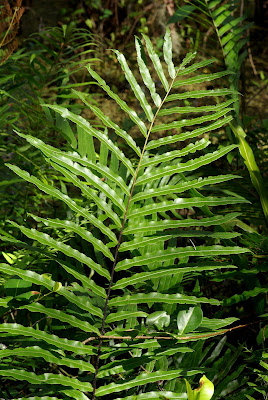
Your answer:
<point x="124" y="310"/>
<point x="232" y="34"/>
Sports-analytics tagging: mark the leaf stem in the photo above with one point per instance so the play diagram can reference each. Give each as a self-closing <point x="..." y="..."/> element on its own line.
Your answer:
<point x="9" y="27"/>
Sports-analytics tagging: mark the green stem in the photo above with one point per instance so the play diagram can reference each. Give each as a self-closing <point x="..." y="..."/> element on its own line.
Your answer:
<point x="9" y="27"/>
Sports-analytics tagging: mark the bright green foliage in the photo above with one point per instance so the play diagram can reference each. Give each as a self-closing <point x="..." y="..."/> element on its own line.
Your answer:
<point x="106" y="290"/>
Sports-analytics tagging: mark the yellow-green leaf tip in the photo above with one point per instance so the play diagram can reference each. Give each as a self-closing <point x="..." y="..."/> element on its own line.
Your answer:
<point x="204" y="392"/>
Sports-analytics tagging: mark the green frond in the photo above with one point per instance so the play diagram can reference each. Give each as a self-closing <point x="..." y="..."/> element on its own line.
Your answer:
<point x="31" y="276"/>
<point x="120" y="315"/>
<point x="171" y="155"/>
<point x="142" y="379"/>
<point x="61" y="316"/>
<point x="202" y="78"/>
<point x="135" y="86"/>
<point x="86" y="161"/>
<point x="195" y="67"/>
<point x="199" y="94"/>
<point x="124" y="230"/>
<point x="189" y="109"/>
<point x="122" y="104"/>
<point x="87" y="191"/>
<point x="156" y="297"/>
<point x="153" y="144"/>
<point x="80" y="121"/>
<point x="155" y="226"/>
<point x="144" y="276"/>
<point x="173" y="253"/>
<point x="182" y="167"/>
<point x="180" y="203"/>
<point x="86" y="282"/>
<point x="82" y="232"/>
<point x="110" y="124"/>
<point x="38" y="352"/>
<point x="47" y="240"/>
<point x="48" y="378"/>
<point x="156" y="62"/>
<point x="66" y="199"/>
<point x="146" y="76"/>
<point x="145" y="241"/>
<point x="181" y="187"/>
<point x="192" y="121"/>
<point x="66" y="344"/>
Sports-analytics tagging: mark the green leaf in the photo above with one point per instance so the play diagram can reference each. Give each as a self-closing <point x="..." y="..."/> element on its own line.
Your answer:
<point x="182" y="167"/>
<point x="191" y="109"/>
<point x="120" y="315"/>
<point x="91" y="194"/>
<point x="66" y="344"/>
<point x="181" y="203"/>
<point x="15" y="287"/>
<point x="36" y="351"/>
<point x="66" y="130"/>
<point x="47" y="240"/>
<point x="192" y="121"/>
<point x="191" y="148"/>
<point x="170" y="254"/>
<point x="214" y="323"/>
<point x="131" y="113"/>
<point x="61" y="316"/>
<point x="57" y="286"/>
<point x="204" y="392"/>
<point x="31" y="276"/>
<point x="141" y="379"/>
<point x="154" y="226"/>
<point x="167" y="51"/>
<point x="145" y="241"/>
<point x="87" y="282"/>
<point x="199" y="94"/>
<point x="75" y="394"/>
<point x="202" y="78"/>
<point x="66" y="199"/>
<point x="48" y="378"/>
<point x="153" y="144"/>
<point x="83" y="123"/>
<point x="135" y="86"/>
<point x="85" y="144"/>
<point x="194" y="67"/>
<point x="71" y="168"/>
<point x="158" y="318"/>
<point x="159" y="395"/>
<point x="38" y="398"/>
<point x="146" y="76"/>
<point x="110" y="124"/>
<point x="73" y="227"/>
<point x="154" y="297"/>
<point x="156" y="62"/>
<point x="50" y="151"/>
<point x="144" y="276"/>
<point x="189" y="320"/>
<point x="250" y="162"/>
<point x="182" y="187"/>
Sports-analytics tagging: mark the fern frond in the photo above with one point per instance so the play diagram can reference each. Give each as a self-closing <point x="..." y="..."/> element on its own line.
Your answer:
<point x="134" y="202"/>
